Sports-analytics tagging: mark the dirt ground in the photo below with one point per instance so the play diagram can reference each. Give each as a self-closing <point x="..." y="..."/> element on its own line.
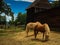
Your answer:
<point x="21" y="39"/>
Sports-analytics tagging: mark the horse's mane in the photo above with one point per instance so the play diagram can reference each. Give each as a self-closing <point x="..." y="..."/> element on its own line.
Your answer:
<point x="39" y="24"/>
<point x="47" y="27"/>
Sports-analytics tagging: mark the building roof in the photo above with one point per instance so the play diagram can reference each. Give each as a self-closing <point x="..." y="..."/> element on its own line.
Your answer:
<point x="40" y="4"/>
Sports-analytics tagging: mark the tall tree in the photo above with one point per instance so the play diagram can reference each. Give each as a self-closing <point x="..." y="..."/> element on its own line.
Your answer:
<point x="4" y="8"/>
<point x="55" y="3"/>
<point x="12" y="15"/>
<point x="2" y="19"/>
<point x="21" y="19"/>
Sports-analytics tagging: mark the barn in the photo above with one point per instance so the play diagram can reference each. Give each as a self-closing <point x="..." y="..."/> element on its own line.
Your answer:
<point x="40" y="10"/>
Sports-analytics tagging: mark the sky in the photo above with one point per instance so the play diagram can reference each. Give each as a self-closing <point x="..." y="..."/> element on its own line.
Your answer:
<point x="19" y="5"/>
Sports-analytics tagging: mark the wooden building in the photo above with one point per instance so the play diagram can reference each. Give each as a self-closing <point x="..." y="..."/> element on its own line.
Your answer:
<point x="40" y="10"/>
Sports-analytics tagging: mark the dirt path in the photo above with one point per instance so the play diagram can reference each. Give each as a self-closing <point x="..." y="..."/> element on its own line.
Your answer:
<point x="21" y="39"/>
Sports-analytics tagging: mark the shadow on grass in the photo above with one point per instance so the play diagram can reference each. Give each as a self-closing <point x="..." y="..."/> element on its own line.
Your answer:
<point x="30" y="35"/>
<point x="39" y="40"/>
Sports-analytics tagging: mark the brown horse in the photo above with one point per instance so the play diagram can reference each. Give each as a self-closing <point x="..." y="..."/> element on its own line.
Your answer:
<point x="42" y="28"/>
<point x="31" y="25"/>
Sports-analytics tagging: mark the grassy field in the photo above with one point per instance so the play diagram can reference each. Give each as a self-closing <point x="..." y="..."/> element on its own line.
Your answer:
<point x="17" y="36"/>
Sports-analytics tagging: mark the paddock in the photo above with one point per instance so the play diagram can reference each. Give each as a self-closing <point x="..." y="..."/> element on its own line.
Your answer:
<point x="19" y="38"/>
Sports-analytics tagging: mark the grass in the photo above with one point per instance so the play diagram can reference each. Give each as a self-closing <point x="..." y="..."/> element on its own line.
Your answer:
<point x="14" y="36"/>
<point x="9" y="31"/>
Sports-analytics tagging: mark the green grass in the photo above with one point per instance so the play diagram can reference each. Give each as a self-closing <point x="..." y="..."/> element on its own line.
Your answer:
<point x="10" y="31"/>
<point x="17" y="36"/>
<point x="3" y="34"/>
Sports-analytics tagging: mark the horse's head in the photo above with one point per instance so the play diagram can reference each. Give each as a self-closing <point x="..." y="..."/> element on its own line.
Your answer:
<point x="47" y="31"/>
<point x="46" y="37"/>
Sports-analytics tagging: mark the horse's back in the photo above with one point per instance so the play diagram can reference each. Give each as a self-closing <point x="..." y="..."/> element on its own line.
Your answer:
<point x="42" y="27"/>
<point x="31" y="25"/>
<point x="39" y="28"/>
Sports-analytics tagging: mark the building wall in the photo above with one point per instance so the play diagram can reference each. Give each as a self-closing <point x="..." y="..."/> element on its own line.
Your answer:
<point x="51" y="16"/>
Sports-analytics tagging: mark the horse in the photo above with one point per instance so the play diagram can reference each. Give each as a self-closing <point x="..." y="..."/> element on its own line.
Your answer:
<point x="31" y="25"/>
<point x="44" y="28"/>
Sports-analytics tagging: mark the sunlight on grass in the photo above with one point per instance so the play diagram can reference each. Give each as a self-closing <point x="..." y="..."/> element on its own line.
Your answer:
<point x="17" y="36"/>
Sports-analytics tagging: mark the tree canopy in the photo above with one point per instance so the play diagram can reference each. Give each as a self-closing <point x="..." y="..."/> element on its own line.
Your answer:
<point x="21" y="19"/>
<point x="55" y="3"/>
<point x="4" y="8"/>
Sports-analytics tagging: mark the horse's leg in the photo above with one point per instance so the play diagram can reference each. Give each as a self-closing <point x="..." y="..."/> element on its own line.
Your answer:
<point x="43" y="36"/>
<point x="46" y="37"/>
<point x="27" y="30"/>
<point x="35" y="33"/>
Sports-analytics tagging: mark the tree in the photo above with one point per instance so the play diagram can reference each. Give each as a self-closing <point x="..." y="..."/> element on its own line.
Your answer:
<point x="2" y="21"/>
<point x="55" y="3"/>
<point x="18" y="19"/>
<point x="21" y="19"/>
<point x="4" y="7"/>
<point x="12" y="15"/>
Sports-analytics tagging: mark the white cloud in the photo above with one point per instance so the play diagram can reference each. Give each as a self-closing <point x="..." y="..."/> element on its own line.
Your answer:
<point x="17" y="0"/>
<point x="26" y="0"/>
<point x="3" y="14"/>
<point x="8" y="4"/>
<point x="54" y="0"/>
<point x="15" y="15"/>
<point x="8" y="18"/>
<point x="50" y="2"/>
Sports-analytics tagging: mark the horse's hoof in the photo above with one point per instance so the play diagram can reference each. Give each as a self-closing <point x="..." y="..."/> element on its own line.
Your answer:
<point x="46" y="39"/>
